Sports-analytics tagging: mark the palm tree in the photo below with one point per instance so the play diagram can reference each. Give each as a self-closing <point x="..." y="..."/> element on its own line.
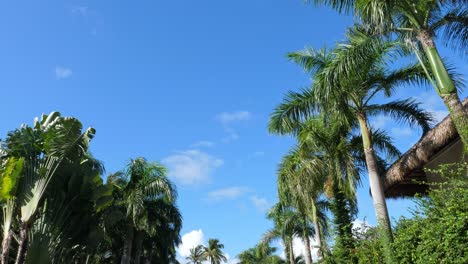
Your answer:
<point x="286" y="227"/>
<point x="213" y="252"/>
<point x="196" y="255"/>
<point x="139" y="185"/>
<point x="296" y="187"/>
<point x="347" y="90"/>
<point x="260" y="254"/>
<point x="421" y="22"/>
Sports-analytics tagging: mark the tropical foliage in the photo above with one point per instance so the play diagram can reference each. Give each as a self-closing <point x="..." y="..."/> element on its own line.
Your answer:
<point x="57" y="208"/>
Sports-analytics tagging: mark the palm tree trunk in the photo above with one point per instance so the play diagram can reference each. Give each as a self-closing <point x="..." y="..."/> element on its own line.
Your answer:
<point x="291" y="251"/>
<point x="446" y="87"/>
<point x="376" y="187"/>
<point x="127" y="250"/>
<point x="286" y="248"/>
<point x="6" y="247"/>
<point x="318" y="235"/>
<point x="22" y="243"/>
<point x="138" y="247"/>
<point x="308" y="257"/>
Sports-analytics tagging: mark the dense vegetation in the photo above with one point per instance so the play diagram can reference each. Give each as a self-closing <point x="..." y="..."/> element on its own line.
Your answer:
<point x="337" y="144"/>
<point x="57" y="209"/>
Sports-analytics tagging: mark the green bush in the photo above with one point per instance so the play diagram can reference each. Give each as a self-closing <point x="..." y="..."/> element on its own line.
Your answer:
<point x="438" y="232"/>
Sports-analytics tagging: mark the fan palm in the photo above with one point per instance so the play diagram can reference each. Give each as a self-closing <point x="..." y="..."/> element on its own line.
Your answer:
<point x="421" y="22"/>
<point x="196" y="255"/>
<point x="348" y="90"/>
<point x="140" y="183"/>
<point x="51" y="142"/>
<point x="213" y="252"/>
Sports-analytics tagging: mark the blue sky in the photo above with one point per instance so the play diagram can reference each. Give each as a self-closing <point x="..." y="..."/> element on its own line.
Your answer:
<point x="188" y="83"/>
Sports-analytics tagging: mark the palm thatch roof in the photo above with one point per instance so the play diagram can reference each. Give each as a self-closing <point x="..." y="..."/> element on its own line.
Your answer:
<point x="406" y="176"/>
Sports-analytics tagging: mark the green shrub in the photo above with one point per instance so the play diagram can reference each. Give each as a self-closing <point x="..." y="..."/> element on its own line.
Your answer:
<point x="438" y="232"/>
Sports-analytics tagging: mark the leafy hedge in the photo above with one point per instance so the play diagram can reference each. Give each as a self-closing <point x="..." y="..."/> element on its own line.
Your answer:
<point x="438" y="232"/>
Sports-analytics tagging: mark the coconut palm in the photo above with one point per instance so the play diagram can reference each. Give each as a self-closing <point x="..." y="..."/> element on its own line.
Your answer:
<point x="213" y="252"/>
<point x="422" y="22"/>
<point x="196" y="255"/>
<point x="347" y="91"/>
<point x="141" y="183"/>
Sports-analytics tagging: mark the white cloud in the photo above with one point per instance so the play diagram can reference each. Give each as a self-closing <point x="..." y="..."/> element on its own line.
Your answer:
<point x="402" y="131"/>
<point x="360" y="227"/>
<point x="192" y="166"/>
<point x="299" y="248"/>
<point x="433" y="103"/>
<point x="80" y="10"/>
<point x="379" y="122"/>
<point x="260" y="203"/>
<point x="189" y="241"/>
<point x="203" y="144"/>
<point x="231" y="135"/>
<point x="193" y="239"/>
<point x="229" y="117"/>
<point x="62" y="72"/>
<point x="227" y="193"/>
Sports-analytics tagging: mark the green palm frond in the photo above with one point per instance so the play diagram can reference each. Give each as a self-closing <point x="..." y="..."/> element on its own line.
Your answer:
<point x="453" y="27"/>
<point x="406" y="111"/>
<point x="296" y="107"/>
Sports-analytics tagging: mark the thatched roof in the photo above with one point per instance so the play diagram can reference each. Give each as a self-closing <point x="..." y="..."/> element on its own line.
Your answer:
<point x="405" y="176"/>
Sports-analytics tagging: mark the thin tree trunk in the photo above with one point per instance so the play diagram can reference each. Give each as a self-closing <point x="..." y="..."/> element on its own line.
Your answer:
<point x="376" y="187"/>
<point x="6" y="247"/>
<point x="22" y="243"/>
<point x="286" y="248"/>
<point x="446" y="88"/>
<point x="127" y="250"/>
<point x="291" y="251"/>
<point x="308" y="257"/>
<point x="318" y="235"/>
<point x="138" y="247"/>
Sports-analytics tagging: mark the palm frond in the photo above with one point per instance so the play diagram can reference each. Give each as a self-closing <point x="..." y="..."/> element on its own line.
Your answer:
<point x="405" y="111"/>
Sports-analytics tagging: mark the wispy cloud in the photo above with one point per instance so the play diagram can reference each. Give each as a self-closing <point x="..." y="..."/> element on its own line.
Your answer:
<point x="227" y="118"/>
<point x="401" y="132"/>
<point x="432" y="103"/>
<point x="62" y="72"/>
<point x="192" y="167"/>
<point x="227" y="193"/>
<point x="260" y="203"/>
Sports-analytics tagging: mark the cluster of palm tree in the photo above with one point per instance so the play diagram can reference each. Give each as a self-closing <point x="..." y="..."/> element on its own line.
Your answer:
<point x="212" y="253"/>
<point x="353" y="83"/>
<point x="57" y="209"/>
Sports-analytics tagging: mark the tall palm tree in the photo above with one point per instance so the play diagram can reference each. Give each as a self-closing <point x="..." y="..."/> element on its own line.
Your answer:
<point x="196" y="255"/>
<point x="296" y="187"/>
<point x="421" y="22"/>
<point x="213" y="252"/>
<point x="287" y="225"/>
<point x="141" y="183"/>
<point x="348" y="91"/>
